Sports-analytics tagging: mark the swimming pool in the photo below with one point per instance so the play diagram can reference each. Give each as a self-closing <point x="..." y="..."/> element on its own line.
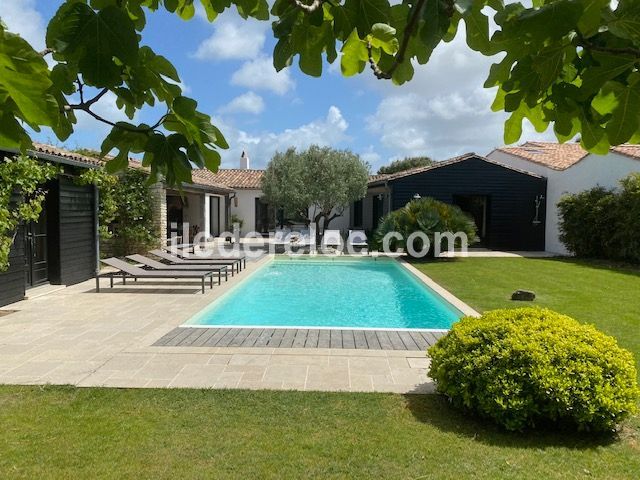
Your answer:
<point x="330" y="293"/>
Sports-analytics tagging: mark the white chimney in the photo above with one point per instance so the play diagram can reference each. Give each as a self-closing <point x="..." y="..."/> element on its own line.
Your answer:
<point x="244" y="161"/>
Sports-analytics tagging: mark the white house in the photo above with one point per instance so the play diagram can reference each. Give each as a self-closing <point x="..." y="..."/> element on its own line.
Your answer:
<point x="568" y="169"/>
<point x="246" y="202"/>
<point x="214" y="201"/>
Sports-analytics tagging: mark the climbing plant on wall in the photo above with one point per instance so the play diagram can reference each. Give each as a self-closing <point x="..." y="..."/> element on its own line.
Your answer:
<point x="125" y="213"/>
<point x="108" y="208"/>
<point x="21" y="197"/>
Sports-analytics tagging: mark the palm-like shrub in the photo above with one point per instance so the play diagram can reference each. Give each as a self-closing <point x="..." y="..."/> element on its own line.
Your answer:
<point x="527" y="366"/>
<point x="425" y="215"/>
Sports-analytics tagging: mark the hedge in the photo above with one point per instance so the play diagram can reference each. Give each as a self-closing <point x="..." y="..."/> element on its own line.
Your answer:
<point x="603" y="223"/>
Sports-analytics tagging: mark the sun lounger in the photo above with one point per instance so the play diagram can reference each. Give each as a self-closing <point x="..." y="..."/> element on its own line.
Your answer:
<point x="126" y="270"/>
<point x="186" y="254"/>
<point x="189" y="247"/>
<point x="150" y="263"/>
<point x="182" y="246"/>
<point x="239" y="261"/>
<point x="175" y="260"/>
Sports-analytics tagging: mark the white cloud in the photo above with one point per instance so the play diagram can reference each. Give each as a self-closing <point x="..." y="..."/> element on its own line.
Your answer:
<point x="442" y="125"/>
<point x="444" y="111"/>
<point x="248" y="102"/>
<point x="372" y="157"/>
<point x="260" y="74"/>
<point x="21" y="17"/>
<point x="330" y="131"/>
<point x="186" y="89"/>
<point x="233" y="38"/>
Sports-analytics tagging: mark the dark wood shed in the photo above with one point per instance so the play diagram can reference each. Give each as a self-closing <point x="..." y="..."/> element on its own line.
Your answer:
<point x="61" y="247"/>
<point x="507" y="204"/>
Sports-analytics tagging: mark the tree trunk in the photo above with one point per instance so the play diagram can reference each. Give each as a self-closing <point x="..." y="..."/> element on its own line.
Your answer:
<point x="327" y="221"/>
<point x="328" y="218"/>
<point x="318" y="235"/>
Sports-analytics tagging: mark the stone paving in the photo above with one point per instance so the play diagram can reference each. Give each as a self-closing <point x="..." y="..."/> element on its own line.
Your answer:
<point x="76" y="336"/>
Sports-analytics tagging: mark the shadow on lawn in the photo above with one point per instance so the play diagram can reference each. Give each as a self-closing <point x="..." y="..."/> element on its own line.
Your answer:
<point x="594" y="263"/>
<point x="609" y="265"/>
<point x="436" y="411"/>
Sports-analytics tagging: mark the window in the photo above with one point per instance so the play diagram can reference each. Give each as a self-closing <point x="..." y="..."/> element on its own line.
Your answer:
<point x="214" y="216"/>
<point x="357" y="213"/>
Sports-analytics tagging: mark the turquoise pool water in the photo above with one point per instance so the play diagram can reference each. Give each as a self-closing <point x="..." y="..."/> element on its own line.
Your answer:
<point x="359" y="293"/>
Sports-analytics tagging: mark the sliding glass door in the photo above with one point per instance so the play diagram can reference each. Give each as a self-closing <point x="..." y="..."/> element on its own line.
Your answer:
<point x="214" y="216"/>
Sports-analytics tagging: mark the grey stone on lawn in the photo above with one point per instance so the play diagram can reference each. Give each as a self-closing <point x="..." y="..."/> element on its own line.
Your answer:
<point x="523" y="296"/>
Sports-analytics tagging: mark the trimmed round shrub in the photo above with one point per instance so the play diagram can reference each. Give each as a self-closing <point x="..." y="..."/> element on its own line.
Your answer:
<point x="526" y="367"/>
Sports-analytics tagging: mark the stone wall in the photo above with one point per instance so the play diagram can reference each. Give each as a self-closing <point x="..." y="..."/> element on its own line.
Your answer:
<point x="159" y="199"/>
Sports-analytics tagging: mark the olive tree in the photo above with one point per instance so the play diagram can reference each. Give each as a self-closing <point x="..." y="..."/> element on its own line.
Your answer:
<point x="317" y="184"/>
<point x="405" y="164"/>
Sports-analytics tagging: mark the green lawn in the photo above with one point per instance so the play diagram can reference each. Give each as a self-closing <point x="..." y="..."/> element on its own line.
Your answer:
<point x="60" y="432"/>
<point x="102" y="433"/>
<point x="600" y="293"/>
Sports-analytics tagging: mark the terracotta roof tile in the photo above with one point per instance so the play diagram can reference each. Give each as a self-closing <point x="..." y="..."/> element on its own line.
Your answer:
<point x="59" y="152"/>
<point x="90" y="161"/>
<point x="200" y="177"/>
<point x="377" y="177"/>
<point x="629" y="150"/>
<point x="560" y="156"/>
<point x="209" y="179"/>
<point x="237" y="178"/>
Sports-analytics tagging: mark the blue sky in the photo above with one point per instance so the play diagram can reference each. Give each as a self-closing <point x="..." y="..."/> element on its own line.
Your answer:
<point x="226" y="67"/>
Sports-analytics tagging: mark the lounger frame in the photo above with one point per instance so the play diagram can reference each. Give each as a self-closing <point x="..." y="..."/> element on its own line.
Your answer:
<point x="166" y="274"/>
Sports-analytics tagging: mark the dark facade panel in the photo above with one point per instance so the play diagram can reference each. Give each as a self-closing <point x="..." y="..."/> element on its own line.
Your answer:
<point x="70" y="232"/>
<point x="76" y="224"/>
<point x="12" y="281"/>
<point x="510" y="195"/>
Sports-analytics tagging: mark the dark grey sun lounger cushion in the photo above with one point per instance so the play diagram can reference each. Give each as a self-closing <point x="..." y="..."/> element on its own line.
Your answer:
<point x="192" y="256"/>
<point x="126" y="270"/>
<point x="154" y="264"/>
<point x="235" y="263"/>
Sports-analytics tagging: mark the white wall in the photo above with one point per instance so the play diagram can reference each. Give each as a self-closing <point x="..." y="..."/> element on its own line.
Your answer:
<point x="339" y="223"/>
<point x="246" y="211"/>
<point x="208" y="213"/>
<point x="593" y="170"/>
<point x="344" y="223"/>
<point x="197" y="211"/>
<point x="207" y="216"/>
<point x="246" y="208"/>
